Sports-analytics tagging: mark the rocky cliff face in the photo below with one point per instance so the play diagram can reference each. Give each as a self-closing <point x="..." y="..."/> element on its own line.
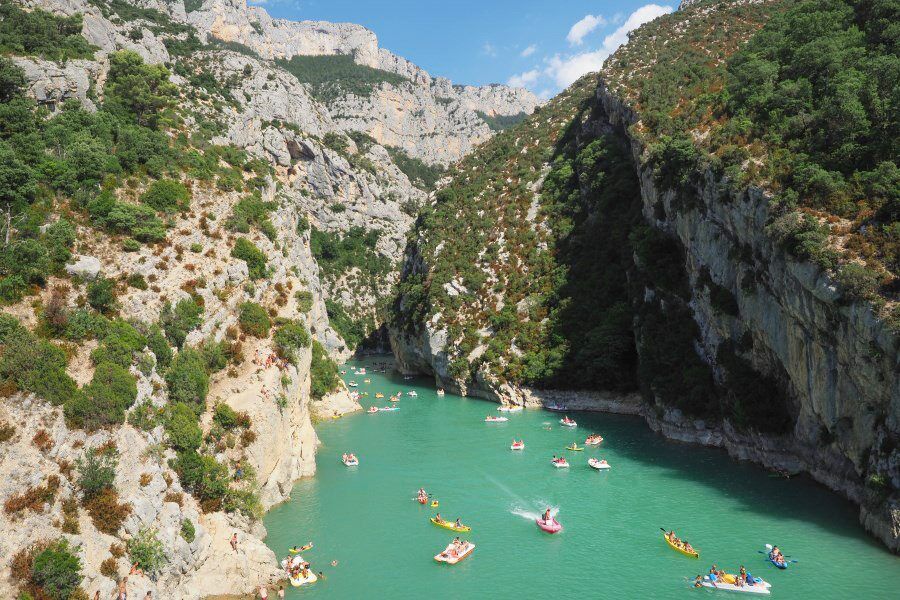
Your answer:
<point x="829" y="363"/>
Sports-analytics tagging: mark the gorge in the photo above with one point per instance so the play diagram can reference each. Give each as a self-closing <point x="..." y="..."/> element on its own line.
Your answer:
<point x="208" y="210"/>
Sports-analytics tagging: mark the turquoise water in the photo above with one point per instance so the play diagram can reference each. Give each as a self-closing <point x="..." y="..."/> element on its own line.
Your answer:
<point x="366" y="517"/>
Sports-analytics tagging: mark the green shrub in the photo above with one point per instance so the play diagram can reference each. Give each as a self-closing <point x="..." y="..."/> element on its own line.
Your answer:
<point x="304" y="301"/>
<point x="167" y="195"/>
<point x="187" y="530"/>
<point x="255" y="258"/>
<point x="206" y="478"/>
<point x="157" y="343"/>
<point x="36" y="366"/>
<point x="120" y="342"/>
<point x="101" y="294"/>
<point x="145" y="550"/>
<point x="12" y="289"/>
<point x="187" y="379"/>
<point x="27" y="259"/>
<point x="104" y="400"/>
<point x="353" y="332"/>
<point x="419" y="173"/>
<point x="96" y="472"/>
<point x="56" y="570"/>
<point x="857" y="281"/>
<point x="290" y="337"/>
<point x="182" y="428"/>
<point x="252" y="211"/>
<point x="323" y="372"/>
<point x="215" y="355"/>
<point x="254" y="320"/>
<point x="177" y="322"/>
<point x="59" y="239"/>
<point x="84" y="324"/>
<point x="225" y="416"/>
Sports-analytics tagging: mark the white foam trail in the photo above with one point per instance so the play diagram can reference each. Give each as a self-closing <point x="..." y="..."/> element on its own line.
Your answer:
<point x="532" y="515"/>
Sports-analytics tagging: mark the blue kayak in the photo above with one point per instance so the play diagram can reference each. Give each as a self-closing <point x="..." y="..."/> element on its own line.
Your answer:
<point x="780" y="565"/>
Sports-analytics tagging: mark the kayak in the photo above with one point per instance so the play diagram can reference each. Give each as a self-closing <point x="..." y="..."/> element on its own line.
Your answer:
<point x="567" y="423"/>
<point x="435" y="504"/>
<point x="780" y="565"/>
<point x="760" y="587"/>
<point x="422" y="499"/>
<point x="372" y="410"/>
<point x="600" y="465"/>
<point x="495" y="419"/>
<point x="693" y="554"/>
<point x="517" y="446"/>
<point x="394" y="399"/>
<point x="560" y="464"/>
<point x="450" y="525"/>
<point x="379" y="395"/>
<point x="574" y="448"/>
<point x="301" y="549"/>
<point x="452" y="556"/>
<point x="551" y="526"/>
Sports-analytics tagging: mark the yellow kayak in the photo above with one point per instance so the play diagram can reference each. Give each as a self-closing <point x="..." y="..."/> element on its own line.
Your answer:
<point x="450" y="525"/>
<point x="574" y="448"/>
<point x="693" y="554"/>
<point x="379" y="395"/>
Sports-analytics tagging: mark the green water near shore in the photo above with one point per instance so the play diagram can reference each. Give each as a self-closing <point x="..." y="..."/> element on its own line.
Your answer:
<point x="366" y="517"/>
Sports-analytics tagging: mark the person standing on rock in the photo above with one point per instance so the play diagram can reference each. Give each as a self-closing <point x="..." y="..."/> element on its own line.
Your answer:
<point x="234" y="542"/>
<point x="281" y="592"/>
<point x="263" y="592"/>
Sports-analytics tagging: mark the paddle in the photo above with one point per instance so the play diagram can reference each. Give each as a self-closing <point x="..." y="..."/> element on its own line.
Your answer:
<point x="785" y="555"/>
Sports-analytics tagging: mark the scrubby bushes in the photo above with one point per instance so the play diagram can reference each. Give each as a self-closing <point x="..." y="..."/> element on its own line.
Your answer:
<point x="33" y="365"/>
<point x="179" y="320"/>
<point x="255" y="258"/>
<point x="252" y="211"/>
<point x="40" y="33"/>
<point x="182" y="428"/>
<point x="254" y="320"/>
<point x="323" y="372"/>
<point x="104" y="400"/>
<point x="167" y="195"/>
<point x="96" y="472"/>
<point x="146" y="551"/>
<point x="49" y="570"/>
<point x="289" y="338"/>
<point x="304" y="301"/>
<point x="187" y="379"/>
<point x="101" y="294"/>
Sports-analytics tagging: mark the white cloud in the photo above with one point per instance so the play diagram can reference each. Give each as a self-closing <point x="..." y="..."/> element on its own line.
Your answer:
<point x="528" y="51"/>
<point x="525" y="79"/>
<point x="488" y="49"/>
<point x="583" y="27"/>
<point x="564" y="70"/>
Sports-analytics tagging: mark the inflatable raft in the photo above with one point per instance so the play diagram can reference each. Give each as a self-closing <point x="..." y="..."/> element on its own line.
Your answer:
<point x="350" y="462"/>
<point x="495" y="419"/>
<point x="551" y="526"/>
<point x="517" y="446"/>
<point x="510" y="408"/>
<point x="560" y="463"/>
<point x="567" y="422"/>
<point x="451" y="556"/>
<point x="600" y="465"/>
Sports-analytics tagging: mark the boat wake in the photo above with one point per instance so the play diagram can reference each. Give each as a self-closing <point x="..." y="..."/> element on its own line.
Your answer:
<point x="533" y="515"/>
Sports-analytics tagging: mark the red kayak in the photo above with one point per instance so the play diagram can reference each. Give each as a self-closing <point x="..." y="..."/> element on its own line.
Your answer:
<point x="422" y="499"/>
<point x="551" y="526"/>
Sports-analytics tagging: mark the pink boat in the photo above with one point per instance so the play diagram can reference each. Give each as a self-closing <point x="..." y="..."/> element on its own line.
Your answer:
<point x="551" y="526"/>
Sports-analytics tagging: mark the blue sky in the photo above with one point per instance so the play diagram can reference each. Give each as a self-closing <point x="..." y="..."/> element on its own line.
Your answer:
<point x="541" y="45"/>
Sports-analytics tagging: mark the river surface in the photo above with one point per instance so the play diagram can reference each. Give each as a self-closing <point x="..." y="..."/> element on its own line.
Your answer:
<point x="611" y="545"/>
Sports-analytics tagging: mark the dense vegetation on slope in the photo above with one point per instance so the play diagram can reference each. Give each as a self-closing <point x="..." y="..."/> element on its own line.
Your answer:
<point x="500" y="262"/>
<point x="40" y="33"/>
<point x="333" y="76"/>
<point x="807" y="108"/>
<point x="569" y="288"/>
